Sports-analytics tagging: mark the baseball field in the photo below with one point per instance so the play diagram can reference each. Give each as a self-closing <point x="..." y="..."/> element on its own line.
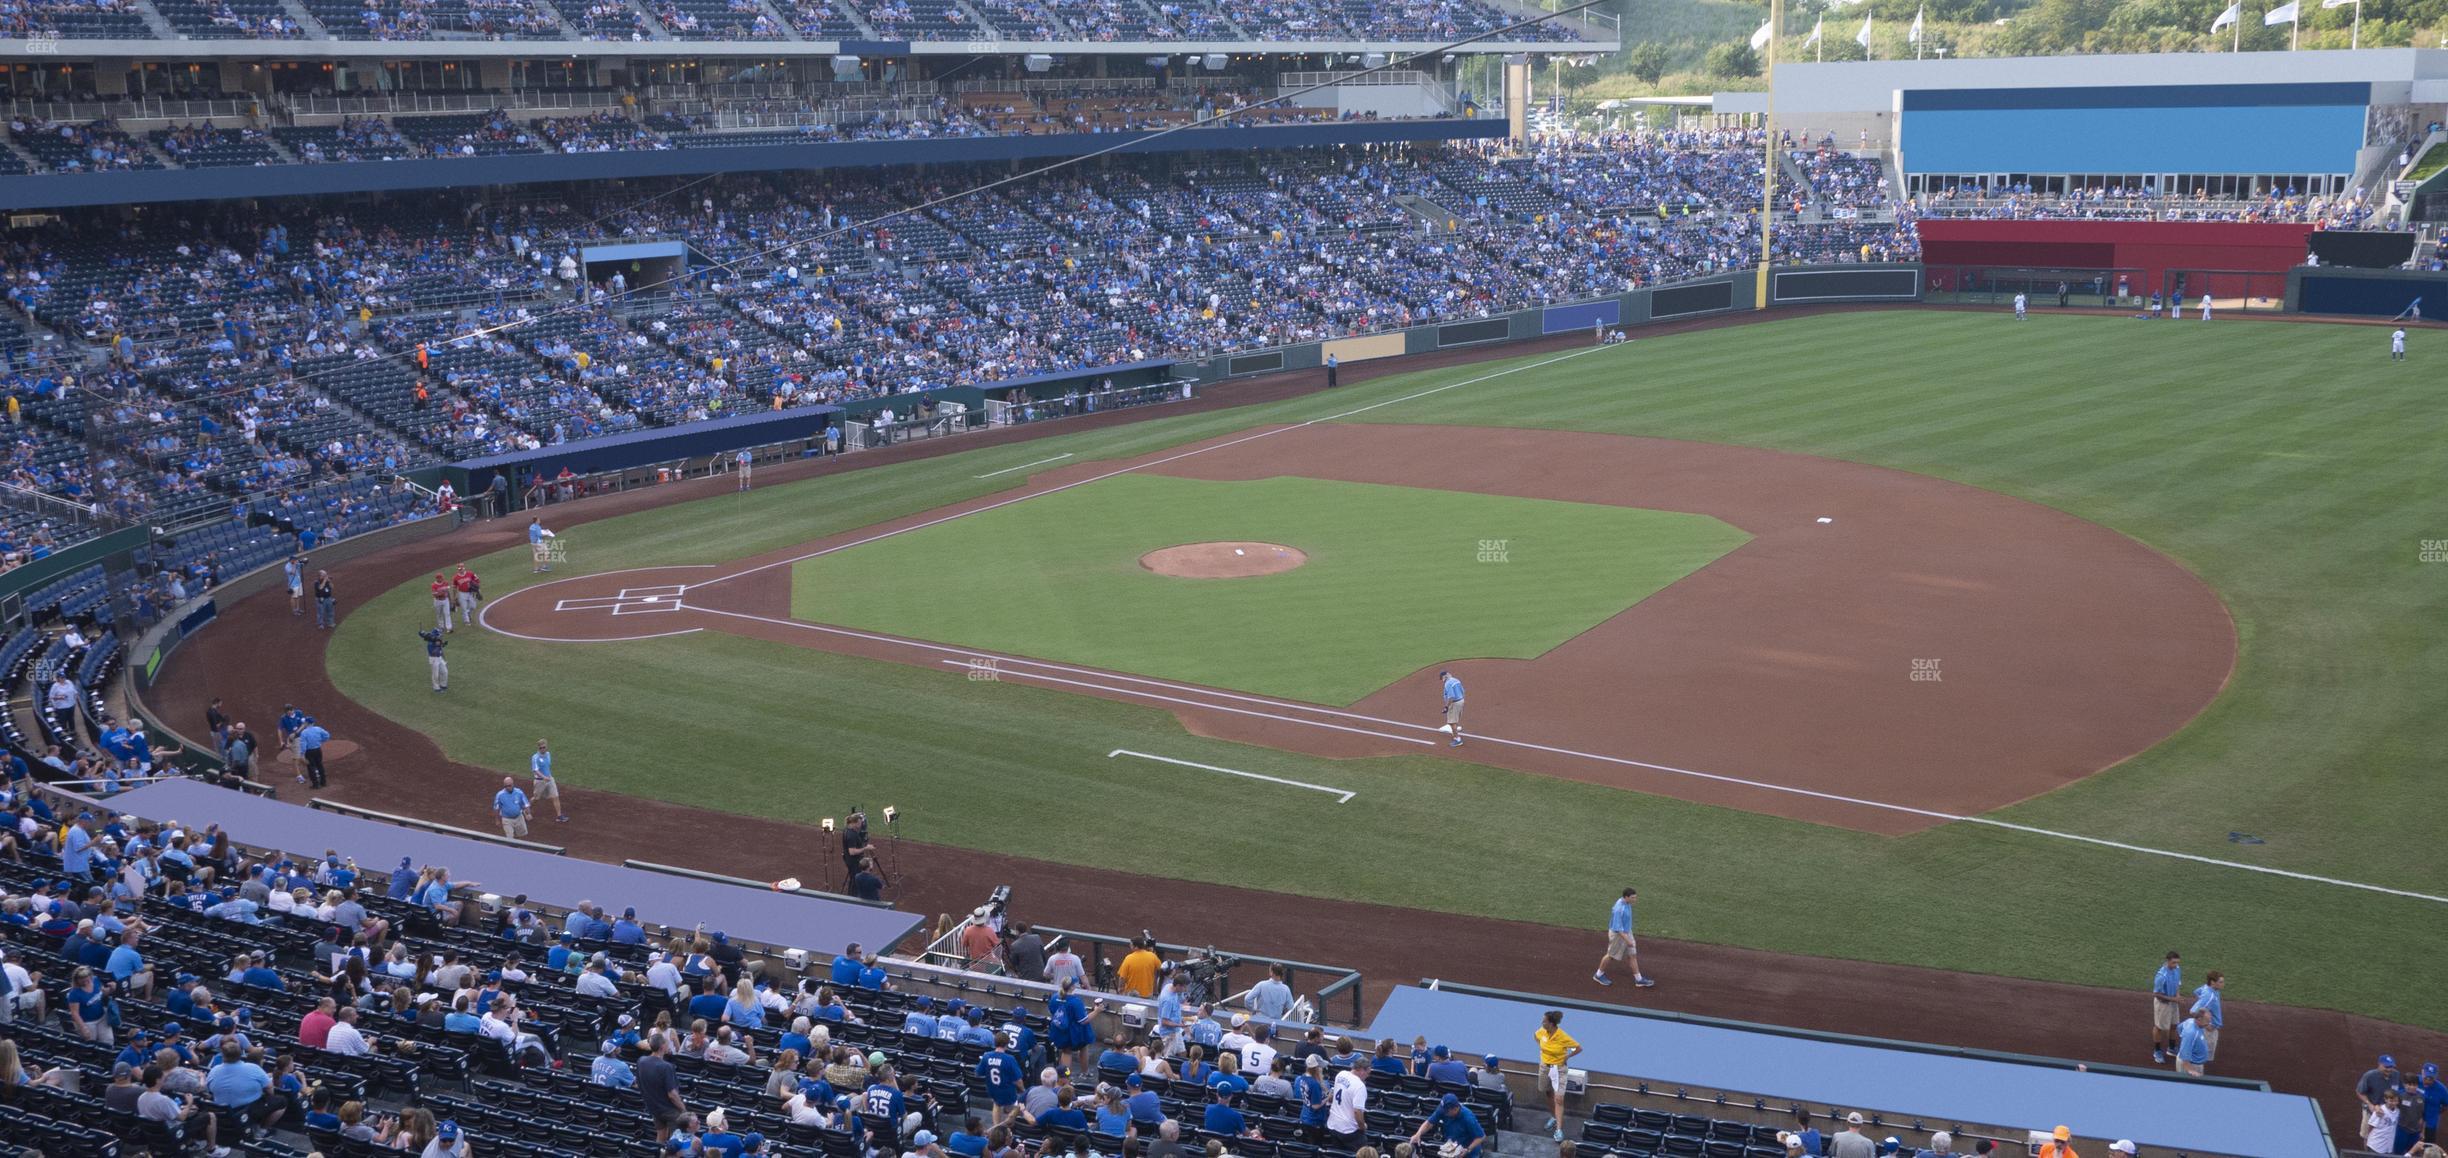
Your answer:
<point x="2104" y="619"/>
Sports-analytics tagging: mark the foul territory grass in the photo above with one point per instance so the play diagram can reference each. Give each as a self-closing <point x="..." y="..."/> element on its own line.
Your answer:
<point x="1396" y="579"/>
<point x="2293" y="466"/>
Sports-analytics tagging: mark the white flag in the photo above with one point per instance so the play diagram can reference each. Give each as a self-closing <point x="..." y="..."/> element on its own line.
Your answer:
<point x="1863" y="37"/>
<point x="2233" y="13"/>
<point x="1814" y="36"/>
<point x="2282" y="14"/>
<point x="1759" y="39"/>
<point x="1913" y="36"/>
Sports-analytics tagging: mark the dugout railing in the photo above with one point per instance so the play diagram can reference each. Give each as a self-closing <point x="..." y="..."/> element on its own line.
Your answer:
<point x="1219" y="976"/>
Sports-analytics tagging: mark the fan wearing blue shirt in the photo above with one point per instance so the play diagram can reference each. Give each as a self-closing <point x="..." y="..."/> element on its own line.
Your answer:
<point x="1221" y="1117"/>
<point x="846" y="968"/>
<point x="1000" y="1071"/>
<point x="880" y="1110"/>
<point x="1111" y="1119"/>
<point x="1444" y="1070"/>
<point x="1456" y="1122"/>
<point x="1064" y="1115"/>
<point x="970" y="1140"/>
<point x="1309" y="1089"/>
<point x="921" y="1019"/>
<point x="1143" y="1106"/>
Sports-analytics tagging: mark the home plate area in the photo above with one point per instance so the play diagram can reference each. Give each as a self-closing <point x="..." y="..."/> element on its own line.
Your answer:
<point x="630" y="601"/>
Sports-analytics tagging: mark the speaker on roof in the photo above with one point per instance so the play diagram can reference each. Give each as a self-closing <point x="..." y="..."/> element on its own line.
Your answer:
<point x="1038" y="62"/>
<point x="1215" y="62"/>
<point x="845" y="68"/>
<point x="1373" y="60"/>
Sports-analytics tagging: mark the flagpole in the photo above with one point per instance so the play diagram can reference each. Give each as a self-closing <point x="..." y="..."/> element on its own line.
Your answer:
<point x="1767" y="209"/>
<point x="2355" y="39"/>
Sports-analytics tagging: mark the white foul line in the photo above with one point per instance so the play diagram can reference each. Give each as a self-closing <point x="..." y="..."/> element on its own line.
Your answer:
<point x="1481" y="737"/>
<point x="1022" y="466"/>
<point x="1118" y="471"/>
<point x="1341" y="796"/>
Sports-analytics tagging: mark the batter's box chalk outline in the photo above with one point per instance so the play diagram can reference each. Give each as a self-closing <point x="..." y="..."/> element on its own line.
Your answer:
<point x="671" y="591"/>
<point x="650" y="606"/>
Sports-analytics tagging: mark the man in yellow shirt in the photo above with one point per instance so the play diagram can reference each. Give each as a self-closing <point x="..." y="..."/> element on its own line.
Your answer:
<point x="1556" y="1049"/>
<point x="1137" y="972"/>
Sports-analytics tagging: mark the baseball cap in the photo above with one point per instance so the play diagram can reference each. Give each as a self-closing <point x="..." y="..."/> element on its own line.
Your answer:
<point x="1489" y="1061"/>
<point x="2430" y="1069"/>
<point x="172" y="1030"/>
<point x="1854" y="1118"/>
<point x="1240" y="1019"/>
<point x="1890" y="1144"/>
<point x="448" y="1131"/>
<point x="1447" y="1102"/>
<point x="2063" y="1134"/>
<point x="610" y="1047"/>
<point x="2388" y="1061"/>
<point x="875" y="1059"/>
<point x="2122" y="1146"/>
<point x="924" y="1139"/>
<point x="1788" y="1139"/>
<point x="752" y="1139"/>
<point x="1440" y="1052"/>
<point x="1133" y="1082"/>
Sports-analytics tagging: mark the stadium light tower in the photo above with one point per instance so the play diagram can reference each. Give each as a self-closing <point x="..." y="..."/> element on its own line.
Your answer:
<point x="1776" y="28"/>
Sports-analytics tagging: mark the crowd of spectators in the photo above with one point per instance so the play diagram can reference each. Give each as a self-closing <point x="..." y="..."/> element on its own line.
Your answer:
<point x="230" y="350"/>
<point x="1104" y="21"/>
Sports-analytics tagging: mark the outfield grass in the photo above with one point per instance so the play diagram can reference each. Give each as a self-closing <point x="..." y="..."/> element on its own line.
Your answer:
<point x="1393" y="581"/>
<point x="2293" y="466"/>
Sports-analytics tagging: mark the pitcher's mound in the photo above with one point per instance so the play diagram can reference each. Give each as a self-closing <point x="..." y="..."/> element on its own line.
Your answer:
<point x="1223" y="560"/>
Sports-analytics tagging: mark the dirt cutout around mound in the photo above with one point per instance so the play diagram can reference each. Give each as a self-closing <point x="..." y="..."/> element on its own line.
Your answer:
<point x="1240" y="560"/>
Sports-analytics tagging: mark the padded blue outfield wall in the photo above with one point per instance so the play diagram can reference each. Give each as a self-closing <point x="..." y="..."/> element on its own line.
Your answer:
<point x="2236" y="128"/>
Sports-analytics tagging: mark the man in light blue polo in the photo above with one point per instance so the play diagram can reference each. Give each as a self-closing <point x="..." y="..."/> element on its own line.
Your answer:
<point x="2206" y="1000"/>
<point x="1621" y="945"/>
<point x="536" y="534"/>
<point x="1169" y="1025"/>
<point x="2167" y="1004"/>
<point x="1453" y="705"/>
<point x="510" y="805"/>
<point x="310" y="740"/>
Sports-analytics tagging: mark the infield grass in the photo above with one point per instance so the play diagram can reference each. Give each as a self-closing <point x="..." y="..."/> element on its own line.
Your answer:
<point x="1394" y="580"/>
<point x="2292" y="465"/>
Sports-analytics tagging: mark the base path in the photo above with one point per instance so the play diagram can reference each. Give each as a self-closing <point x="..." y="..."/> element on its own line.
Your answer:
<point x="1929" y="650"/>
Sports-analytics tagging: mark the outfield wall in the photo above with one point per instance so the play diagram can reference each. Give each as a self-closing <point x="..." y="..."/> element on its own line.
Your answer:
<point x="2150" y="248"/>
<point x="2378" y="293"/>
<point x="1725" y="293"/>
